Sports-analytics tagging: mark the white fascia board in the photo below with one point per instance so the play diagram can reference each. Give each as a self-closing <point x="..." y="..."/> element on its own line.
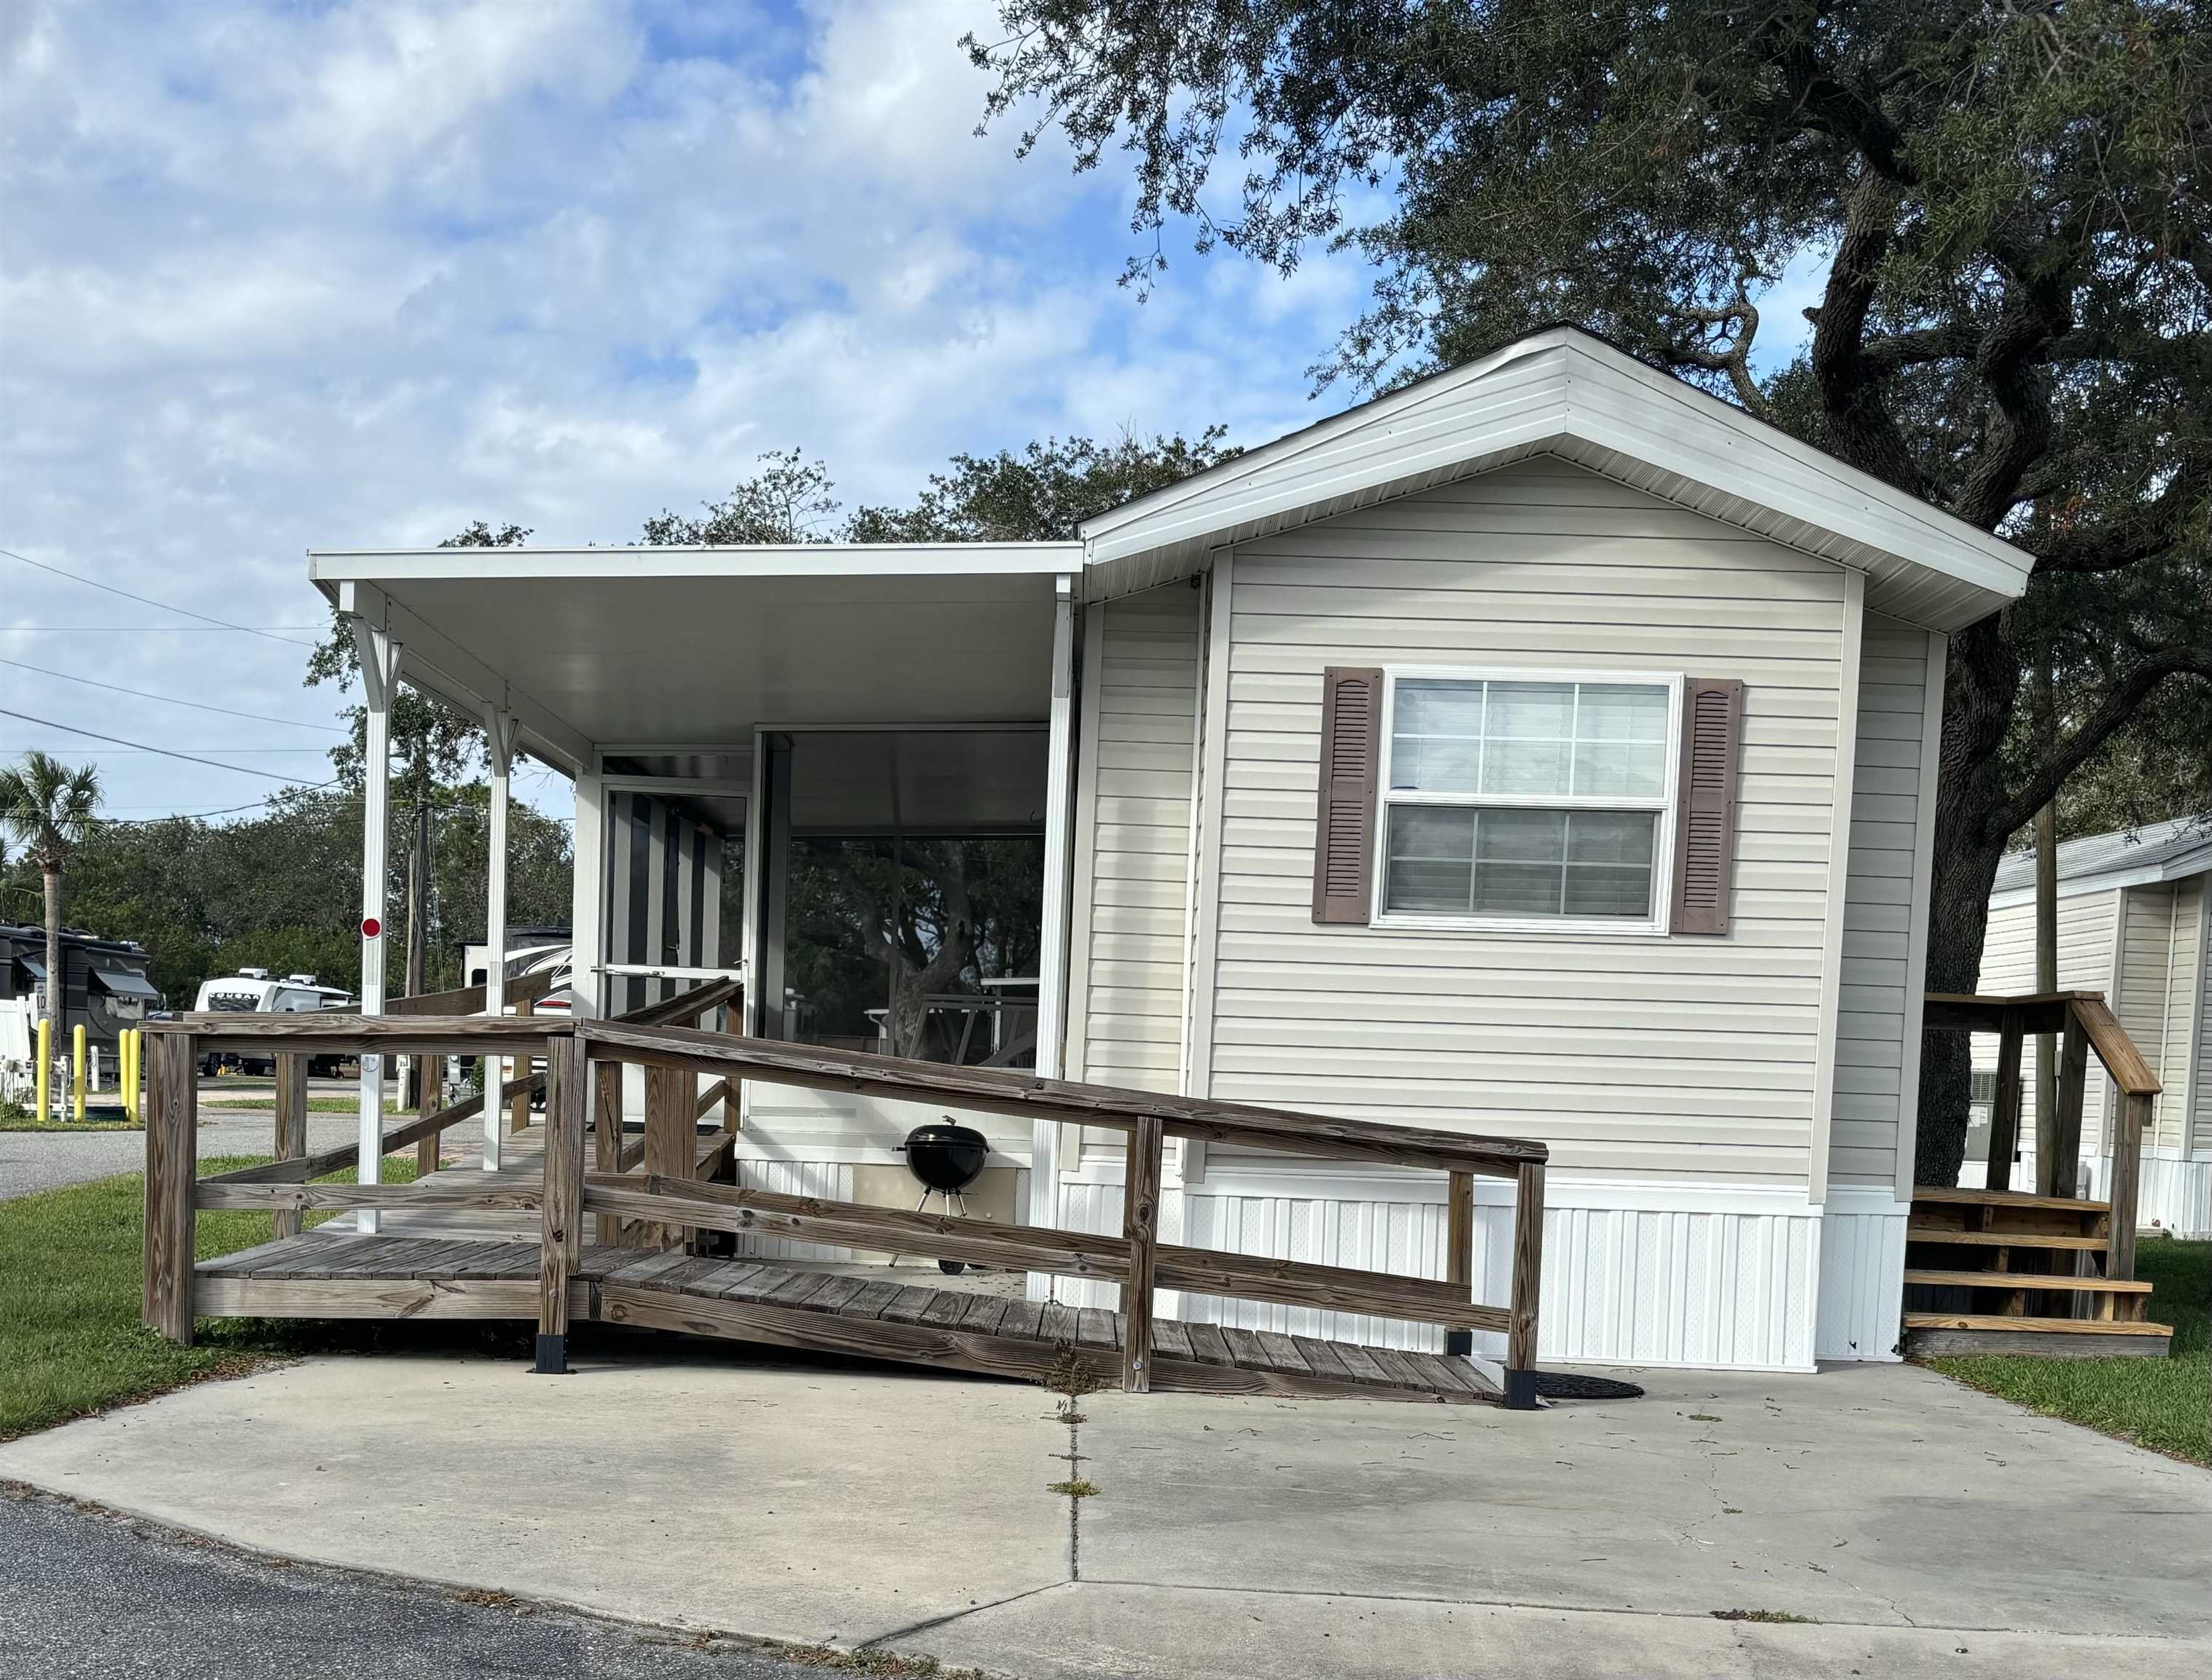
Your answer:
<point x="1099" y="532"/>
<point x="1695" y="433"/>
<point x="1576" y="397"/>
<point x="808" y="560"/>
<point x="434" y="664"/>
<point x="2179" y="868"/>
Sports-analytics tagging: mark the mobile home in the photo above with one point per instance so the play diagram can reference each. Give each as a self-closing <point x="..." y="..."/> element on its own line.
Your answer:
<point x="1544" y="749"/>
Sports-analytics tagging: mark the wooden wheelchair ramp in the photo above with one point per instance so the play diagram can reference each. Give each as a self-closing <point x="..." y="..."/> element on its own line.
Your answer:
<point x="837" y="1309"/>
<point x="623" y="1220"/>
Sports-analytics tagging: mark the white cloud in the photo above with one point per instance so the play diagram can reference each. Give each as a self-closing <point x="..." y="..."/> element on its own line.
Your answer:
<point x="276" y="276"/>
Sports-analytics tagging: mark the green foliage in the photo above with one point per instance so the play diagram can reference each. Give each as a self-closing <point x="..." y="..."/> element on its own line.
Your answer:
<point x="1043" y="493"/>
<point x="2159" y="1403"/>
<point x="786" y="500"/>
<point x="70" y="1341"/>
<point x="1040" y="494"/>
<point x="48" y="807"/>
<point x="277" y="890"/>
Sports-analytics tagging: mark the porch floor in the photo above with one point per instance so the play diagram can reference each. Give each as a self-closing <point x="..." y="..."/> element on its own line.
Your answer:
<point x="827" y="1308"/>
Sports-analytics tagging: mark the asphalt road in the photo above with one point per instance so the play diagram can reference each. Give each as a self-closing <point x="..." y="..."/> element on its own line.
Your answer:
<point x="92" y="1594"/>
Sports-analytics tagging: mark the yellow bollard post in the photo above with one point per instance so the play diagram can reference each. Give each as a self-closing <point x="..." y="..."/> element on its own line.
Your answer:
<point x="126" y="1050"/>
<point x="76" y="1071"/>
<point x="45" y="1071"/>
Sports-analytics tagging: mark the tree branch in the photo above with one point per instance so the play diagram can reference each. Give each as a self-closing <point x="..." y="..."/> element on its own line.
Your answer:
<point x="2120" y="704"/>
<point x="1865" y="433"/>
<point x="2121" y="542"/>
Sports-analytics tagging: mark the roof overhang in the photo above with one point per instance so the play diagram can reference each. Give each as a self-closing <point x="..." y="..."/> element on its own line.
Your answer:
<point x="1562" y="392"/>
<point x="593" y="648"/>
<point x="2179" y="866"/>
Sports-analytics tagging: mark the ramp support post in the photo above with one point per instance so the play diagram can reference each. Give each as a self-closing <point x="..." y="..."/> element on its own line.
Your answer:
<point x="562" y="1202"/>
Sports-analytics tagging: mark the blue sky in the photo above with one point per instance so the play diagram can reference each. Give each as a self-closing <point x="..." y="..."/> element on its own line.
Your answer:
<point x="281" y="276"/>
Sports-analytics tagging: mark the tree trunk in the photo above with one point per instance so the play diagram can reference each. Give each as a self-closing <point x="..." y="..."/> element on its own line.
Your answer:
<point x="54" y="988"/>
<point x="1980" y="686"/>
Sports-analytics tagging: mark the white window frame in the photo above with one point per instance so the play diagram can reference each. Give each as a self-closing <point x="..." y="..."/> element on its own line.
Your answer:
<point x="1655" y="926"/>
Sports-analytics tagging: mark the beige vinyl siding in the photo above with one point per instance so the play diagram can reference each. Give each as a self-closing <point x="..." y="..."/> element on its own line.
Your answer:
<point x="1876" y="979"/>
<point x="2146" y="946"/>
<point x="2085" y="964"/>
<point x="2200" y="1089"/>
<point x="1132" y="881"/>
<point x="2178" y="1053"/>
<point x="1677" y="1058"/>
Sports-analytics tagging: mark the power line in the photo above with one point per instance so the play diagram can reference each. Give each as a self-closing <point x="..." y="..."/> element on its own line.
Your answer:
<point x="171" y="699"/>
<point x="148" y="630"/>
<point x="147" y="600"/>
<point x="212" y="764"/>
<point x="117" y="752"/>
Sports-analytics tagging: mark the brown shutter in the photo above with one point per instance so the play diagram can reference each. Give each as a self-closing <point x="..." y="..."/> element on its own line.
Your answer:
<point x="1704" y="851"/>
<point x="1350" y="762"/>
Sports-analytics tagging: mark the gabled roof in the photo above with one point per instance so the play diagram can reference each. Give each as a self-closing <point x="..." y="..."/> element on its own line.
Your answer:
<point x="2156" y="852"/>
<point x="1564" y="392"/>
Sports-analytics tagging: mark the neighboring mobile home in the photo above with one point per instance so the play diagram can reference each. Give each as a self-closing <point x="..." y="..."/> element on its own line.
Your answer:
<point x="1545" y="748"/>
<point x="2135" y="915"/>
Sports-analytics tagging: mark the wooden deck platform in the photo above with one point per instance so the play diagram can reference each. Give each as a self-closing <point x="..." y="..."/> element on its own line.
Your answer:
<point x="823" y="1310"/>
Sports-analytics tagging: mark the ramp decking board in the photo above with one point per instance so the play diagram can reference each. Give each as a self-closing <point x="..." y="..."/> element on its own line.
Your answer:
<point x="794" y="1305"/>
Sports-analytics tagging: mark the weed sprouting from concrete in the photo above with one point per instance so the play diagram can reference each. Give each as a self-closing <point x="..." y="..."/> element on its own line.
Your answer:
<point x="1759" y="1615"/>
<point x="1081" y="1488"/>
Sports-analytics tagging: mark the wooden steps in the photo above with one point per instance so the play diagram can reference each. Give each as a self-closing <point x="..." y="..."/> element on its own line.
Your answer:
<point x="2047" y="1280"/>
<point x="870" y="1312"/>
<point x="1966" y="1196"/>
<point x="1937" y="1233"/>
<point x="2045" y="1255"/>
<point x="1995" y="1321"/>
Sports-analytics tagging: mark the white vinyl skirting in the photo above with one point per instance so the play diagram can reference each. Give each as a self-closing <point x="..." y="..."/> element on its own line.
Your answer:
<point x="1722" y="1277"/>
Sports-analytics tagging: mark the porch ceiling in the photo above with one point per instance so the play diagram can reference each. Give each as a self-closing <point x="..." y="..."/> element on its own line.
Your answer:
<point x="610" y="647"/>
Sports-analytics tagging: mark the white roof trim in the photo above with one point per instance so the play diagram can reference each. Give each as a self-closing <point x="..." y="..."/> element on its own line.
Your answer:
<point x="2179" y="867"/>
<point x="385" y="565"/>
<point x="1564" y="392"/>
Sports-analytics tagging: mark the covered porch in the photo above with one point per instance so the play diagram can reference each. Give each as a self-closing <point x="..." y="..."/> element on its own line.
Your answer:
<point x="836" y="775"/>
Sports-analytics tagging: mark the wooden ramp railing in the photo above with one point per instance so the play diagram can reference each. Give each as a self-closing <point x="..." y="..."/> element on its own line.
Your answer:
<point x="664" y="1199"/>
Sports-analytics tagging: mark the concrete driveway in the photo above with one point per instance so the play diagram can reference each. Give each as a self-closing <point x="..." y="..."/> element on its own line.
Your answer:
<point x="1916" y="1527"/>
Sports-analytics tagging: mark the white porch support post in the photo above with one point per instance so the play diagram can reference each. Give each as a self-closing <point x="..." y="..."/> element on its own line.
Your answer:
<point x="1053" y="954"/>
<point x="587" y="903"/>
<point x="380" y="677"/>
<point x="499" y="753"/>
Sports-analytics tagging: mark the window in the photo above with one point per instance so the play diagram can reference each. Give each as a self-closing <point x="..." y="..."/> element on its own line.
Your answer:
<point x="1531" y="799"/>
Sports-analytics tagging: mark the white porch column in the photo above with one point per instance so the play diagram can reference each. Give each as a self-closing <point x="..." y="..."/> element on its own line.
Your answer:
<point x="587" y="901"/>
<point x="499" y="753"/>
<point x="1052" y="960"/>
<point x="379" y="676"/>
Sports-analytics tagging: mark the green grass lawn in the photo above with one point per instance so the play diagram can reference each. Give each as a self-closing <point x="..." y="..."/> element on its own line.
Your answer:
<point x="70" y="1341"/>
<point x="2162" y="1404"/>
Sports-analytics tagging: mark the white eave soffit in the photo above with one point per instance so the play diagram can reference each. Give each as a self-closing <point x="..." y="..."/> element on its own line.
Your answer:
<point x="1563" y="393"/>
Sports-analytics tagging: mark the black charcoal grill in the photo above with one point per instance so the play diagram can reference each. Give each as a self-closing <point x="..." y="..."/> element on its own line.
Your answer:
<point x="947" y="1158"/>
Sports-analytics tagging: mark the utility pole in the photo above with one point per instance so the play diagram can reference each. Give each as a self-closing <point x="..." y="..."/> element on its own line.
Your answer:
<point x="418" y="935"/>
<point x="2047" y="1170"/>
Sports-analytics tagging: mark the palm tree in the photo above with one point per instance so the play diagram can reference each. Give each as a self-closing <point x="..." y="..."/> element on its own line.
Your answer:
<point x="50" y="809"/>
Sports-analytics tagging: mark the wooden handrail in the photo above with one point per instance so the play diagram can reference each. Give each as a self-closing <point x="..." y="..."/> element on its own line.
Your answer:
<point x="2122" y="1060"/>
<point x="327" y="1033"/>
<point x="856" y="1225"/>
<point x="469" y="999"/>
<point x="300" y="1169"/>
<point x="1025" y="1096"/>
